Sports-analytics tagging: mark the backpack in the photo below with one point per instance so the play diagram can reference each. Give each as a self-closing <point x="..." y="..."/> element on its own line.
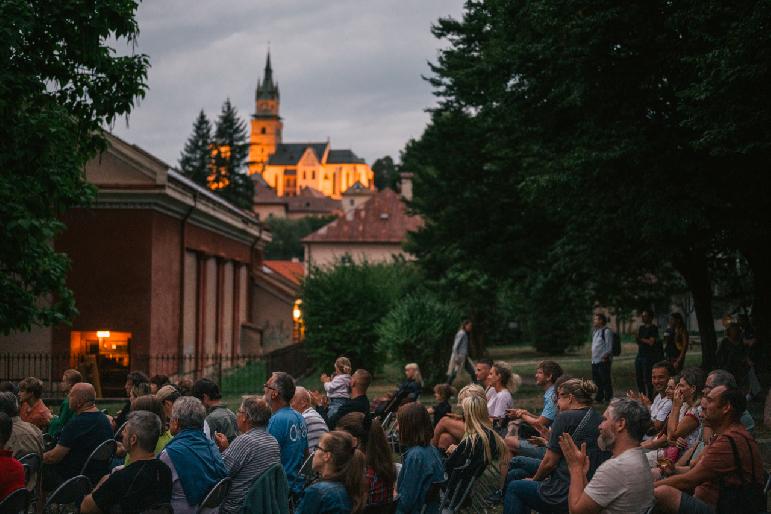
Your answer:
<point x="615" y="341"/>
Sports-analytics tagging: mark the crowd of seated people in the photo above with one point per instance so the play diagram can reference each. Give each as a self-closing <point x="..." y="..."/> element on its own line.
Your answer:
<point x="688" y="449"/>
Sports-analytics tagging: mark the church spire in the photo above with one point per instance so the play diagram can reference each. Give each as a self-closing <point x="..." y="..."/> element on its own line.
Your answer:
<point x="267" y="89"/>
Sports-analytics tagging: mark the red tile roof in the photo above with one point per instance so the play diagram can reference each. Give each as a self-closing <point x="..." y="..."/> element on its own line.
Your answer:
<point x="382" y="219"/>
<point x="290" y="270"/>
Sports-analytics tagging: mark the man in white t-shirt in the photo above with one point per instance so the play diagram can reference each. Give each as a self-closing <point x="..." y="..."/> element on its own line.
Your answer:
<point x="661" y="406"/>
<point x="622" y="484"/>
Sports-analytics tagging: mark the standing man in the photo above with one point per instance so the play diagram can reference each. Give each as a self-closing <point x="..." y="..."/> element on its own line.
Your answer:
<point x="358" y="402"/>
<point x="287" y="426"/>
<point x="602" y="357"/>
<point x="459" y="357"/>
<point x="649" y="351"/>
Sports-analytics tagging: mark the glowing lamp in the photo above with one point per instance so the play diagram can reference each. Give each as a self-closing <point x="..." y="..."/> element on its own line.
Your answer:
<point x="102" y="333"/>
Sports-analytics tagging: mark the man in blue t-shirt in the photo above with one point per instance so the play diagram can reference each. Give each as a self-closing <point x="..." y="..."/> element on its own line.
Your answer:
<point x="287" y="426"/>
<point x="86" y="430"/>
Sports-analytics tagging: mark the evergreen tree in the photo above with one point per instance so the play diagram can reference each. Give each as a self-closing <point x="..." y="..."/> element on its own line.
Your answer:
<point x="195" y="160"/>
<point x="386" y="173"/>
<point x="231" y="148"/>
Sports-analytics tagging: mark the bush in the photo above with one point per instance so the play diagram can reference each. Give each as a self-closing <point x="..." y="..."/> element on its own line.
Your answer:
<point x="420" y="328"/>
<point x="343" y="305"/>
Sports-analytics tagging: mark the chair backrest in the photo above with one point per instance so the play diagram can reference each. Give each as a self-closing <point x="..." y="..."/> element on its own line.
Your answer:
<point x="433" y="495"/>
<point x="118" y="432"/>
<point x="33" y="460"/>
<point x="16" y="502"/>
<point x="71" y="491"/>
<point x="102" y="453"/>
<point x="459" y="484"/>
<point x="383" y="508"/>
<point x="216" y="494"/>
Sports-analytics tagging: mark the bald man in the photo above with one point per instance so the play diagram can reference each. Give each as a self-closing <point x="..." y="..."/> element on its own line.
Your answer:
<point x="86" y="430"/>
<point x="313" y="420"/>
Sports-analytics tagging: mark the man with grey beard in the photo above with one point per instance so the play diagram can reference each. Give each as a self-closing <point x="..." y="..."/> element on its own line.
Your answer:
<point x="623" y="483"/>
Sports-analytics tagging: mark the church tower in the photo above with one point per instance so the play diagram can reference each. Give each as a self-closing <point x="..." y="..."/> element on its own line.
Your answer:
<point x="266" y="124"/>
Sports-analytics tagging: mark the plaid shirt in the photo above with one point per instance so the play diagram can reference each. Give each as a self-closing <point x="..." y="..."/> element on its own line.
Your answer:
<point x="379" y="490"/>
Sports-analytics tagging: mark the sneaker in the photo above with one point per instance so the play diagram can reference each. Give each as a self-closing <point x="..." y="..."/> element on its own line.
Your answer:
<point x="494" y="498"/>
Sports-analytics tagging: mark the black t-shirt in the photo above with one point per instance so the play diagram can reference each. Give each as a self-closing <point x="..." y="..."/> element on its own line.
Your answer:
<point x="554" y="488"/>
<point x="474" y="452"/>
<point x="441" y="409"/>
<point x="652" y="352"/>
<point x="82" y="435"/>
<point x="358" y="404"/>
<point x="135" y="488"/>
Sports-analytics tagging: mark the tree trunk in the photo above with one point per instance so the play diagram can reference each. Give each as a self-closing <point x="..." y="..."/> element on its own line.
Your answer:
<point x="692" y="265"/>
<point x="758" y="259"/>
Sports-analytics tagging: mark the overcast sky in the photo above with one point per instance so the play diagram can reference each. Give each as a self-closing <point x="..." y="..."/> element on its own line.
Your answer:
<point x="348" y="70"/>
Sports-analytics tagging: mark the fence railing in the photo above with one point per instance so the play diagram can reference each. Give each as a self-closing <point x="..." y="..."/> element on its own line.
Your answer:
<point x="236" y="374"/>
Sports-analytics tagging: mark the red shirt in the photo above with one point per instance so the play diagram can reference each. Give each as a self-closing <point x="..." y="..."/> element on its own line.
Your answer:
<point x="380" y="491"/>
<point x="11" y="473"/>
<point x="718" y="457"/>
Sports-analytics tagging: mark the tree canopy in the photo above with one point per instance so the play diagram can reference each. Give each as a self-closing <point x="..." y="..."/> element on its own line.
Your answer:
<point x="61" y="83"/>
<point x="613" y="152"/>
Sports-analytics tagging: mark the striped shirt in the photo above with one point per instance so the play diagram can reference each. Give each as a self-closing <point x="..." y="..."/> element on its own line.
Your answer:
<point x="316" y="427"/>
<point x="248" y="457"/>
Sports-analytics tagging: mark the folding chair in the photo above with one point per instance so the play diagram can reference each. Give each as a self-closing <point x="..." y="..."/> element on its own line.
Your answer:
<point x="433" y="495"/>
<point x="71" y="492"/>
<point x="16" y="502"/>
<point x="102" y="453"/>
<point x="459" y="485"/>
<point x="31" y="463"/>
<point x="118" y="432"/>
<point x="216" y="495"/>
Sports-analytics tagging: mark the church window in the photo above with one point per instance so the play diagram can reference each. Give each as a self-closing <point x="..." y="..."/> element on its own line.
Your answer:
<point x="304" y="175"/>
<point x="262" y="131"/>
<point x="313" y="175"/>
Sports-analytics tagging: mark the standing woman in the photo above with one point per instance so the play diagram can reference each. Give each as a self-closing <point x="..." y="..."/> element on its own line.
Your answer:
<point x="680" y="339"/>
<point x="503" y="381"/>
<point x="421" y="463"/>
<point x="341" y="489"/>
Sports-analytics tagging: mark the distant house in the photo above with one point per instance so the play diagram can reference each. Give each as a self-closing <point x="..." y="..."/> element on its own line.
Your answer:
<point x="308" y="202"/>
<point x="373" y="231"/>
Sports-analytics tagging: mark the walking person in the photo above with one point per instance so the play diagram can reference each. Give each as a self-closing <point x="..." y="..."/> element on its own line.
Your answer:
<point x="459" y="358"/>
<point x="649" y="351"/>
<point x="602" y="357"/>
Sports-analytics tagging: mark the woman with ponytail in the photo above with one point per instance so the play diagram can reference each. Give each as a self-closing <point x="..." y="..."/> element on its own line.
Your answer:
<point x="371" y="439"/>
<point x="547" y="491"/>
<point x="504" y="382"/>
<point x="341" y="489"/>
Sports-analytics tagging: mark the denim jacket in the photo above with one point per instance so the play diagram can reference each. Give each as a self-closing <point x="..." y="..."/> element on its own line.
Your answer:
<point x="421" y="467"/>
<point x="325" y="498"/>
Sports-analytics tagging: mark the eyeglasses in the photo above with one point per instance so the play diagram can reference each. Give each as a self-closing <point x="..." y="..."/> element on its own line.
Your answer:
<point x="268" y="386"/>
<point x="319" y="448"/>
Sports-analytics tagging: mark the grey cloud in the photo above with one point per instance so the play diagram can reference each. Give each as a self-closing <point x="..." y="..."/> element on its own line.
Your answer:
<point x="348" y="69"/>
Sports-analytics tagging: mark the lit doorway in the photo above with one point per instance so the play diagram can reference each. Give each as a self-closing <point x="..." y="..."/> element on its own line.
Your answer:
<point x="103" y="356"/>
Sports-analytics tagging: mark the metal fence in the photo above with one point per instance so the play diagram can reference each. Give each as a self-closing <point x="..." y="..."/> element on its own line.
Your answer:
<point x="236" y="374"/>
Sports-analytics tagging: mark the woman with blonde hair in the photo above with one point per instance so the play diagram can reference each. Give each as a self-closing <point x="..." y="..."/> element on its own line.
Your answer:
<point x="450" y="429"/>
<point x="480" y="443"/>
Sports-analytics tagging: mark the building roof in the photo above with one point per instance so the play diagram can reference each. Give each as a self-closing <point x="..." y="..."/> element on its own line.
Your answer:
<point x="263" y="193"/>
<point x="292" y="271"/>
<point x="291" y="153"/>
<point x="312" y="201"/>
<point x="358" y="189"/>
<point x="344" y="157"/>
<point x="383" y="219"/>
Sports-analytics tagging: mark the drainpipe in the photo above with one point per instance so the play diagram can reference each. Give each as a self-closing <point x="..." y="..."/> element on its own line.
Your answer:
<point x="183" y="249"/>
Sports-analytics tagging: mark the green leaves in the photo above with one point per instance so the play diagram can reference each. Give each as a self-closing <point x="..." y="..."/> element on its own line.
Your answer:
<point x="59" y="85"/>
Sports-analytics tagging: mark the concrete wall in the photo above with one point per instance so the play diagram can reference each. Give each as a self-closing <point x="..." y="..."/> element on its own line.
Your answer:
<point x="328" y="254"/>
<point x="272" y="313"/>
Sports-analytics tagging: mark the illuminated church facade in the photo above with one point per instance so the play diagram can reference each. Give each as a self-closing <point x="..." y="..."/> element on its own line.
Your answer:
<point x="289" y="168"/>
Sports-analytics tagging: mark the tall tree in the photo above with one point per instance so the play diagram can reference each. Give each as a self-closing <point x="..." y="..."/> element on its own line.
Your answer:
<point x="594" y="121"/>
<point x="61" y="82"/>
<point x="196" y="158"/>
<point x="229" y="153"/>
<point x="386" y="173"/>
